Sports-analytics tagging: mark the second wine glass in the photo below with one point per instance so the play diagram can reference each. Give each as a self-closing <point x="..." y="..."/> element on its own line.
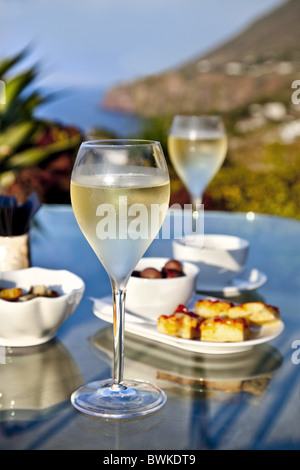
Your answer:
<point x="197" y="147"/>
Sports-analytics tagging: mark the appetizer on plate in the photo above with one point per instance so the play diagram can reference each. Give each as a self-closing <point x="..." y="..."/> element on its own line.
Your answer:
<point x="182" y="323"/>
<point x="217" y="321"/>
<point x="208" y="308"/>
<point x="222" y="329"/>
<point x="257" y="313"/>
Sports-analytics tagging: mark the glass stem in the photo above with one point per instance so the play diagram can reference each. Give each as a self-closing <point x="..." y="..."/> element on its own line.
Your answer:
<point x="196" y="202"/>
<point x="118" y="333"/>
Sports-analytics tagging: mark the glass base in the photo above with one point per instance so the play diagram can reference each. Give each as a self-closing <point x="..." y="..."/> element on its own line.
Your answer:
<point x="108" y="400"/>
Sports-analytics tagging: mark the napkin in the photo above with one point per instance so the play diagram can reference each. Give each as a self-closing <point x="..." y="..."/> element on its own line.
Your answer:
<point x="15" y="219"/>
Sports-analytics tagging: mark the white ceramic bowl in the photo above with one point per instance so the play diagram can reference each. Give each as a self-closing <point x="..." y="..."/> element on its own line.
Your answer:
<point x="220" y="258"/>
<point x="151" y="298"/>
<point x="36" y="321"/>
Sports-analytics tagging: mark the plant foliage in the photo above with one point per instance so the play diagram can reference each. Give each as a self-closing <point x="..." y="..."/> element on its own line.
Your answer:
<point x="21" y="142"/>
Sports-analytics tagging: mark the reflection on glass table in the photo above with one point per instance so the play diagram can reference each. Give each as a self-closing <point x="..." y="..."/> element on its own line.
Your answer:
<point x="36" y="381"/>
<point x="192" y="372"/>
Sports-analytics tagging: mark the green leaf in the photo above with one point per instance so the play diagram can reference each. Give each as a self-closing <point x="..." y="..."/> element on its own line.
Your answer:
<point x="9" y="62"/>
<point x="14" y="137"/>
<point x="36" y="155"/>
<point x="22" y="109"/>
<point x="16" y="85"/>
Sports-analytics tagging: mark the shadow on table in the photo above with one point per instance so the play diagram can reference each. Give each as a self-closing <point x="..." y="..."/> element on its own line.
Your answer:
<point x="208" y="376"/>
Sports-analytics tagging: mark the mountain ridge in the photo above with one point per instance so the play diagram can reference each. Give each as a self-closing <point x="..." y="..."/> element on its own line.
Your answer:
<point x="258" y="64"/>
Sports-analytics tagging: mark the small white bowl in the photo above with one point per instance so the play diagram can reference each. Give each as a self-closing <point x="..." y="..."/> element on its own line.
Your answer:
<point x="151" y="298"/>
<point x="36" y="321"/>
<point x="220" y="258"/>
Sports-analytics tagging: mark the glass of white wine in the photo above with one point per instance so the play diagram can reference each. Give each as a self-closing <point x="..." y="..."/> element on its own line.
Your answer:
<point x="197" y="147"/>
<point x="115" y="185"/>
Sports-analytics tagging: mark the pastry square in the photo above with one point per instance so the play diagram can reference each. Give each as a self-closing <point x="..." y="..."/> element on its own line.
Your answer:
<point x="207" y="308"/>
<point x="257" y="313"/>
<point x="182" y="323"/>
<point x="222" y="329"/>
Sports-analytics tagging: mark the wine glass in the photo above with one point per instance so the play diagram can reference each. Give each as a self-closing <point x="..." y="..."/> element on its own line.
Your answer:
<point x="115" y="185"/>
<point x="197" y="147"/>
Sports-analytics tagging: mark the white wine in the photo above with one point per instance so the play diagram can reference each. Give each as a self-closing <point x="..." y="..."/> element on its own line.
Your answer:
<point x="115" y="185"/>
<point x="116" y="213"/>
<point x="197" y="160"/>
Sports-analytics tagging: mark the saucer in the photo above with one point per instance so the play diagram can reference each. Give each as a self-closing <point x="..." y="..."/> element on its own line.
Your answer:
<point x="249" y="279"/>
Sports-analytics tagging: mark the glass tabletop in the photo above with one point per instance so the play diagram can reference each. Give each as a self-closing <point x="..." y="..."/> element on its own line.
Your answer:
<point x="247" y="400"/>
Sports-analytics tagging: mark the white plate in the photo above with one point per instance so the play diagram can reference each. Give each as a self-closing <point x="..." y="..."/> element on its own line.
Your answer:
<point x="249" y="279"/>
<point x="102" y="308"/>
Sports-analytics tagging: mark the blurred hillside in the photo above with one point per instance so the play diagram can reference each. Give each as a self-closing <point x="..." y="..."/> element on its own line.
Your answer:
<point x="249" y="81"/>
<point x="257" y="65"/>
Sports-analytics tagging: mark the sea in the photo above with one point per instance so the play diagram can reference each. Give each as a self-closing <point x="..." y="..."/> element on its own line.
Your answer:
<point x="82" y="108"/>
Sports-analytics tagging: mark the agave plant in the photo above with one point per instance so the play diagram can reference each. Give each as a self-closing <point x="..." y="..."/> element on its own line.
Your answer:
<point x="20" y="130"/>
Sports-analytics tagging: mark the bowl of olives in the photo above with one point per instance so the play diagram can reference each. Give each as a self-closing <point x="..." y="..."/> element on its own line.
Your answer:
<point x="158" y="285"/>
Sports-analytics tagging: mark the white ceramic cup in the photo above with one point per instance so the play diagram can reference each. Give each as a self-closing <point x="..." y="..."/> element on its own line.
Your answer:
<point x="220" y="258"/>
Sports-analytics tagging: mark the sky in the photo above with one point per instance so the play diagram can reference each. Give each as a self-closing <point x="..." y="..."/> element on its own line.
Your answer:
<point x="105" y="42"/>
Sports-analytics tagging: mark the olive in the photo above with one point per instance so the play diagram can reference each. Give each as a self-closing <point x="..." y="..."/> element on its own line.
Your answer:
<point x="172" y="273"/>
<point x="135" y="273"/>
<point x="151" y="273"/>
<point x="173" y="264"/>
